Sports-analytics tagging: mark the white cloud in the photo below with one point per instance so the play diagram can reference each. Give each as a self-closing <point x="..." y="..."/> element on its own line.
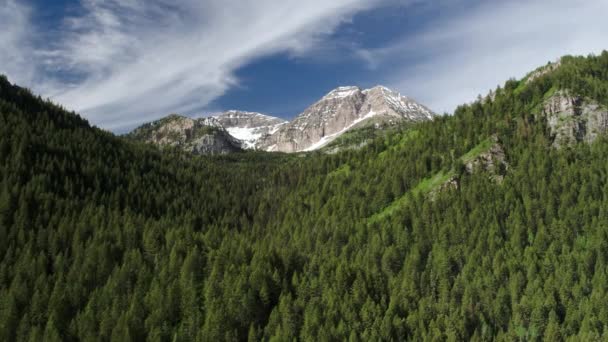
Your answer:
<point x="452" y="61"/>
<point x="14" y="36"/>
<point x="123" y="62"/>
<point x="137" y="60"/>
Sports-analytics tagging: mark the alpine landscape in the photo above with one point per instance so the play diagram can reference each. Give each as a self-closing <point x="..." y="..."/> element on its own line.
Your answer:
<point x="466" y="200"/>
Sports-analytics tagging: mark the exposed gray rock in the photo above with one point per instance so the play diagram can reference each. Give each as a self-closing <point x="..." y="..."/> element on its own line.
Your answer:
<point x="242" y="119"/>
<point x="341" y="110"/>
<point x="573" y="119"/>
<point x="199" y="136"/>
<point x="218" y="142"/>
<point x="492" y="160"/>
<point x="332" y="113"/>
<point x="451" y="184"/>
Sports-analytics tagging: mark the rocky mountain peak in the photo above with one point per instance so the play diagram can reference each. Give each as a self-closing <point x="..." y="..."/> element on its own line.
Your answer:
<point x="392" y="103"/>
<point x="342" y="92"/>
<point x="341" y="110"/>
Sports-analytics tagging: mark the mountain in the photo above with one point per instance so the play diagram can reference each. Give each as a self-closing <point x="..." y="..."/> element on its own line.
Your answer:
<point x="199" y="136"/>
<point x="341" y="110"/>
<point x="249" y="127"/>
<point x="488" y="224"/>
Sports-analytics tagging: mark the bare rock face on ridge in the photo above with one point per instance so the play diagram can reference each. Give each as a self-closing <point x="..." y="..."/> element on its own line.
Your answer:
<point x="199" y="136"/>
<point x="549" y="68"/>
<point x="491" y="160"/>
<point x="573" y="119"/>
<point x="341" y="110"/>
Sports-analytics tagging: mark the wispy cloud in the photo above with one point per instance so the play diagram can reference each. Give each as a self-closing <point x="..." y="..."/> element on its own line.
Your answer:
<point x="130" y="61"/>
<point x="454" y="59"/>
<point x="16" y="53"/>
<point x="123" y="62"/>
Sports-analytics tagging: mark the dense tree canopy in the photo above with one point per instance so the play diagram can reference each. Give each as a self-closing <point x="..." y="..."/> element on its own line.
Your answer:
<point x="105" y="239"/>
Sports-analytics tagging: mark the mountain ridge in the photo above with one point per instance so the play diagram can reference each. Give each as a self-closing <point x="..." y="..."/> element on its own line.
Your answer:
<point x="199" y="136"/>
<point x="339" y="111"/>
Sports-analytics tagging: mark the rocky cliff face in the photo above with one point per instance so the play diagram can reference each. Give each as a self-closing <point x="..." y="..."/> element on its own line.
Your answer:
<point x="492" y="160"/>
<point x="343" y="109"/>
<point x="249" y="127"/>
<point x="199" y="136"/>
<point x="574" y="119"/>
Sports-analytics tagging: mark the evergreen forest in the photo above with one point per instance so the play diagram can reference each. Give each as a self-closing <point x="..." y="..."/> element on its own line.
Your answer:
<point x="107" y="239"/>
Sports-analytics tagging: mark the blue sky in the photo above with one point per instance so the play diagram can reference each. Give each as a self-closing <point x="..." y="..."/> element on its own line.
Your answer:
<point x="124" y="62"/>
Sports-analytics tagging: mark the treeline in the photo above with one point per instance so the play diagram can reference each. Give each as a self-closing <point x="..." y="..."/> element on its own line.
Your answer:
<point x="106" y="239"/>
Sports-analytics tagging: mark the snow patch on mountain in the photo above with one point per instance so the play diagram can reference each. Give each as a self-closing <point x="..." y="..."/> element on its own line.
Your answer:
<point x="329" y="138"/>
<point x="248" y="136"/>
<point x="341" y="92"/>
<point x="249" y="127"/>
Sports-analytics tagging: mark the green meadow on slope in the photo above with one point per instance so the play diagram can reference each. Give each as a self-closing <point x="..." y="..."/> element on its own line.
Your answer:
<point x="106" y="239"/>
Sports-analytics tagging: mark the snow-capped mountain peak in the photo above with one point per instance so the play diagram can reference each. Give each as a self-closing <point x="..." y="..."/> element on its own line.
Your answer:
<point x="341" y="110"/>
<point x="342" y="92"/>
<point x="398" y="105"/>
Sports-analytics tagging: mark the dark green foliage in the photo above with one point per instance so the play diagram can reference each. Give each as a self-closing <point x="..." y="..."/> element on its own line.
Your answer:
<point x="107" y="239"/>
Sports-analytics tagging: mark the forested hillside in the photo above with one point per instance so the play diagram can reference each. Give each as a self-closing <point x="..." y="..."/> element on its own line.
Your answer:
<point x="107" y="239"/>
